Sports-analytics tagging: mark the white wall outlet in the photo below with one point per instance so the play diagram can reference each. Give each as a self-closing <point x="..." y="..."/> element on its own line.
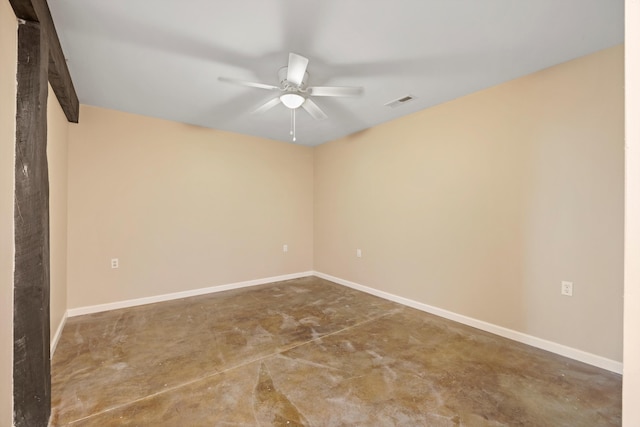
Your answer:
<point x="359" y="253"/>
<point x="566" y="288"/>
<point x="115" y="263"/>
<point x="285" y="248"/>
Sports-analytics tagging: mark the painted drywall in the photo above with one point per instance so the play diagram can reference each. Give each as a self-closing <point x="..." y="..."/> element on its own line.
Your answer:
<point x="180" y="207"/>
<point x="483" y="205"/>
<point x="631" y="379"/>
<point x="57" y="135"/>
<point x="8" y="68"/>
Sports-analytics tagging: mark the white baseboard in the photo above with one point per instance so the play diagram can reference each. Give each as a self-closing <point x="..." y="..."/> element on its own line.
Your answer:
<point x="72" y="312"/>
<point x="563" y="350"/>
<point x="56" y="336"/>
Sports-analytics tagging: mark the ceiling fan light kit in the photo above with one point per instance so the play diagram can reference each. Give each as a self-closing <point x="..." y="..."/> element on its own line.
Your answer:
<point x="295" y="92"/>
<point x="292" y="100"/>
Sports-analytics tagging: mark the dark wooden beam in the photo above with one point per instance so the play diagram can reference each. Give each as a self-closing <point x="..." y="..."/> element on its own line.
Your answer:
<point x="31" y="365"/>
<point x="59" y="77"/>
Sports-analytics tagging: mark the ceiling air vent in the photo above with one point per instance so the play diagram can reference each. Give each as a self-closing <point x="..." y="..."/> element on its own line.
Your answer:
<point x="400" y="101"/>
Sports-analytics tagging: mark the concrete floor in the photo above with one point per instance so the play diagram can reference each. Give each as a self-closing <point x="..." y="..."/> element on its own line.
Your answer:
<point x="310" y="352"/>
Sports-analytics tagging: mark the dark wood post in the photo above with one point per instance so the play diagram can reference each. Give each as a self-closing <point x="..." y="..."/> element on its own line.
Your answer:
<point x="32" y="369"/>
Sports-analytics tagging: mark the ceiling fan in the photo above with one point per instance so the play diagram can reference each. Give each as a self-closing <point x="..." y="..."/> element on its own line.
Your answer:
<point x="294" y="92"/>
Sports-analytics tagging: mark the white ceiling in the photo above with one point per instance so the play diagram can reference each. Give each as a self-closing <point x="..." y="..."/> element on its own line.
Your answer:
<point x="162" y="58"/>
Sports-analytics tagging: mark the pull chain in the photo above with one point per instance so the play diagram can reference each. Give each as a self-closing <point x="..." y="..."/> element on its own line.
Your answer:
<point x="291" y="124"/>
<point x="294" y="124"/>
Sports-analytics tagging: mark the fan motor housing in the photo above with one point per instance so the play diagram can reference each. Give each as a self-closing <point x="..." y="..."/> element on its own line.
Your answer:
<point x="282" y="78"/>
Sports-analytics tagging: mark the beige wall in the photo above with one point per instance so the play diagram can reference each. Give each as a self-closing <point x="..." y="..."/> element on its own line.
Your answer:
<point x="182" y="207"/>
<point x="483" y="205"/>
<point x="631" y="379"/>
<point x="57" y="135"/>
<point x="8" y="57"/>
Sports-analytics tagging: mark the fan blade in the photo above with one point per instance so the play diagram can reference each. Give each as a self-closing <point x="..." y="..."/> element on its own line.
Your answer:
<point x="313" y="109"/>
<point x="335" y="91"/>
<point x="249" y="84"/>
<point x="296" y="68"/>
<point x="267" y="106"/>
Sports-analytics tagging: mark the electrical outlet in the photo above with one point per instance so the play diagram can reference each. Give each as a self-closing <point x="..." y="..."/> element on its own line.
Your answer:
<point x="359" y="253"/>
<point x="285" y="248"/>
<point x="115" y="263"/>
<point x="566" y="288"/>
